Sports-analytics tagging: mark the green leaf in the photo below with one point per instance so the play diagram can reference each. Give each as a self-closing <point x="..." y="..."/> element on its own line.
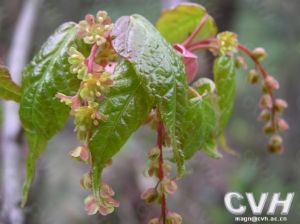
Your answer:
<point x="42" y="115"/>
<point x="158" y="66"/>
<point x="8" y="89"/>
<point x="37" y="145"/>
<point x="224" y="76"/>
<point x="127" y="106"/>
<point x="176" y="24"/>
<point x="198" y="127"/>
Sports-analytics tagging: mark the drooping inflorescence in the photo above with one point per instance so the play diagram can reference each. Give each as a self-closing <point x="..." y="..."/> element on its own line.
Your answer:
<point x="95" y="72"/>
<point x="161" y="170"/>
<point x="271" y="106"/>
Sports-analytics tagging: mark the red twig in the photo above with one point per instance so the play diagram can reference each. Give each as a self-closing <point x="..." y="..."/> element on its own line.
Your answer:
<point x="196" y="31"/>
<point x="160" y="137"/>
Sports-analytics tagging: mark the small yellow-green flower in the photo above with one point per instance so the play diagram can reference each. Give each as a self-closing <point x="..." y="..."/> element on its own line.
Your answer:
<point x="94" y="84"/>
<point x="93" y="31"/>
<point x="106" y="53"/>
<point x="77" y="61"/>
<point x="85" y="118"/>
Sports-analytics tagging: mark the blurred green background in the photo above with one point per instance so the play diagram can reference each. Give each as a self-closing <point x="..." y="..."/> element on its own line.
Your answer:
<point x="56" y="197"/>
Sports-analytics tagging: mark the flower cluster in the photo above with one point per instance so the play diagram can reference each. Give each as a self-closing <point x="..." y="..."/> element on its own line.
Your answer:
<point x="94" y="71"/>
<point x="95" y="30"/>
<point x="164" y="187"/>
<point x="271" y="107"/>
<point x="107" y="203"/>
<point x="171" y="218"/>
<point x="227" y="42"/>
<point x="271" y="111"/>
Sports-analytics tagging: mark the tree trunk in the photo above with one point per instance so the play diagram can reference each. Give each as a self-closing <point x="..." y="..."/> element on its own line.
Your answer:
<point x="11" y="149"/>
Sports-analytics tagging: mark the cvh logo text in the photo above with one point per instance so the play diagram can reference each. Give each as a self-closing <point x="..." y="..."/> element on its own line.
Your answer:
<point x="237" y="203"/>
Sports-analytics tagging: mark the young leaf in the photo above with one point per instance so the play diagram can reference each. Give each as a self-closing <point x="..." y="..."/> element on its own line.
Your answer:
<point x="127" y="105"/>
<point x="42" y="115"/>
<point x="159" y="68"/>
<point x="176" y="24"/>
<point x="8" y="89"/>
<point x="224" y="76"/>
<point x="198" y="127"/>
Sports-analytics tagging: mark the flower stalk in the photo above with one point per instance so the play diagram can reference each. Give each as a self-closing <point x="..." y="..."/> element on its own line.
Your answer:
<point x="160" y="137"/>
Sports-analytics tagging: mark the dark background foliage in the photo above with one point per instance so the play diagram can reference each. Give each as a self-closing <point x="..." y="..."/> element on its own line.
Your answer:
<point x="56" y="196"/>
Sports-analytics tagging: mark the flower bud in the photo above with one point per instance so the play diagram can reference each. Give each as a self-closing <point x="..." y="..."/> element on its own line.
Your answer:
<point x="173" y="218"/>
<point x="153" y="169"/>
<point x="280" y="105"/>
<point x="275" y="144"/>
<point x="72" y="101"/>
<point x="265" y="102"/>
<point x="101" y="16"/>
<point x="167" y="168"/>
<point x="268" y="128"/>
<point x="171" y="186"/>
<point x="265" y="115"/>
<point x="154" y="153"/>
<point x="110" y="202"/>
<point x="168" y="186"/>
<point x="253" y="76"/>
<point x="259" y="53"/>
<point x="86" y="181"/>
<point x="154" y="221"/>
<point x="271" y="83"/>
<point x="106" y="210"/>
<point x="90" y="205"/>
<point x="90" y="19"/>
<point x="81" y="153"/>
<point x="241" y="63"/>
<point x="264" y="89"/>
<point x="282" y="125"/>
<point x="106" y="191"/>
<point x="150" y="195"/>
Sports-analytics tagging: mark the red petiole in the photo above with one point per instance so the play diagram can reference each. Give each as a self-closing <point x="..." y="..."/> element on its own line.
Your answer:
<point x="196" y="31"/>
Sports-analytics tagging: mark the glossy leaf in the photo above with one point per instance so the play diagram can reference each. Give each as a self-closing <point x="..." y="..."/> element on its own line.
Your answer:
<point x="224" y="76"/>
<point x="9" y="90"/>
<point x="198" y="127"/>
<point x="158" y="66"/>
<point x="127" y="105"/>
<point x="177" y="23"/>
<point x="42" y="115"/>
